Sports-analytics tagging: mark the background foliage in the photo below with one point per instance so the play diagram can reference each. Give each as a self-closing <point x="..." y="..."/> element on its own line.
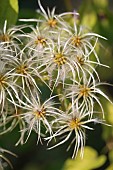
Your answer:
<point x="97" y="16"/>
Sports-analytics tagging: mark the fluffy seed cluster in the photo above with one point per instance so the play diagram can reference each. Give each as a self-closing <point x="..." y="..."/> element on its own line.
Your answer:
<point x="61" y="56"/>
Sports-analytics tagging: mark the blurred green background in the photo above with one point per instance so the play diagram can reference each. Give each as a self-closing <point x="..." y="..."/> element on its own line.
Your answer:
<point x="98" y="16"/>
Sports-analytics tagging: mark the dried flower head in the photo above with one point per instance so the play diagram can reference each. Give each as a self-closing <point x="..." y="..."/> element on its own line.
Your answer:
<point x="38" y="116"/>
<point x="86" y="93"/>
<point x="74" y="122"/>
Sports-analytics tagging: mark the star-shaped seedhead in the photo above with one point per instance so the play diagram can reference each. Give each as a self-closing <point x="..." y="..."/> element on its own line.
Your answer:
<point x="10" y="38"/>
<point x="37" y="116"/>
<point x="74" y="123"/>
<point x="85" y="93"/>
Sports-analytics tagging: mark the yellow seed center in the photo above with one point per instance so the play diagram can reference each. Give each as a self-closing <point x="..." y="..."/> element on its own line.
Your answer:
<point x="80" y="60"/>
<point x="2" y="81"/>
<point x="76" y="41"/>
<point x="84" y="91"/>
<point x="74" y="123"/>
<point x="60" y="59"/>
<point x="52" y="22"/>
<point x="41" y="41"/>
<point x="40" y="113"/>
<point x="4" y="38"/>
<point x="22" y="69"/>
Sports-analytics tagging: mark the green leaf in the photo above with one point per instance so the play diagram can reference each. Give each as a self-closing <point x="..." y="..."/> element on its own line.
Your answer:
<point x="89" y="19"/>
<point x="90" y="161"/>
<point x="88" y="16"/>
<point x="9" y="12"/>
<point x="108" y="108"/>
<point x="101" y="4"/>
<point x="110" y="167"/>
<point x="111" y="156"/>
